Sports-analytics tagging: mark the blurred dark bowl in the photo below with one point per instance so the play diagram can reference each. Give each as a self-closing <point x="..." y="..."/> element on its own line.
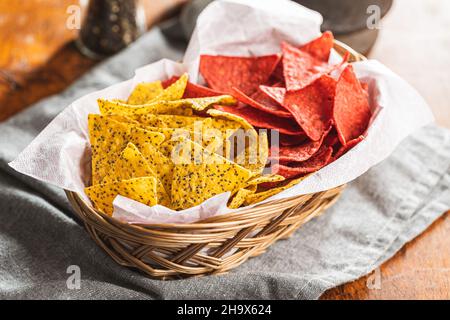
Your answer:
<point x="347" y="19"/>
<point x="345" y="16"/>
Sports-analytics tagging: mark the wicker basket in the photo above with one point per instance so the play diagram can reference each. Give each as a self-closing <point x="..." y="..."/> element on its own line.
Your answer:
<point x="212" y="246"/>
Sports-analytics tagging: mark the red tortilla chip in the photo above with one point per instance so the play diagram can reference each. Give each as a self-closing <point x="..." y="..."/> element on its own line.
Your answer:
<point x="332" y="140"/>
<point x="276" y="93"/>
<point x="261" y="119"/>
<point x="289" y="140"/>
<point x="300" y="69"/>
<point x="298" y="153"/>
<point x="169" y="81"/>
<point x="351" y="112"/>
<point x="262" y="102"/>
<point x="320" y="48"/>
<point x="277" y="74"/>
<point x="312" y="106"/>
<point x="192" y="90"/>
<point x="222" y="73"/>
<point x="343" y="149"/>
<point x="313" y="164"/>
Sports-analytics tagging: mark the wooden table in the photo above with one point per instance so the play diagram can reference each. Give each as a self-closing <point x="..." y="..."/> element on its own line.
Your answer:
<point x="38" y="59"/>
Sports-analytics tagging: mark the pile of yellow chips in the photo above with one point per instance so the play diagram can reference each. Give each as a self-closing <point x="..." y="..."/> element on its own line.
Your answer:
<point x="147" y="149"/>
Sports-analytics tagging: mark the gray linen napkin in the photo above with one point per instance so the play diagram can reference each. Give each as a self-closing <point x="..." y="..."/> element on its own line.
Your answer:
<point x="377" y="214"/>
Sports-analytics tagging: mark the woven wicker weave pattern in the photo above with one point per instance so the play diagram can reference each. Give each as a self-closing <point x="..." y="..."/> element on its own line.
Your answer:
<point x="214" y="245"/>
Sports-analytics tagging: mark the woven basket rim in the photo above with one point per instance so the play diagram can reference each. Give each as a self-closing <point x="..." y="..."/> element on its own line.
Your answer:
<point x="231" y="217"/>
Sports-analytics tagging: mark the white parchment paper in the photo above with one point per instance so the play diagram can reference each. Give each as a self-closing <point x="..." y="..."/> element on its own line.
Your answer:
<point x="60" y="154"/>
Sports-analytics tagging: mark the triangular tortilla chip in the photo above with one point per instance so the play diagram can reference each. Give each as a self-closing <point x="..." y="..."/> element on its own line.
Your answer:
<point x="350" y="144"/>
<point x="193" y="90"/>
<point x="175" y="91"/>
<point x="139" y="189"/>
<point x="313" y="164"/>
<point x="239" y="198"/>
<point x="200" y="104"/>
<point x="298" y="153"/>
<point x="158" y="162"/>
<point x="256" y="163"/>
<point x="245" y="73"/>
<point x="261" y="101"/>
<point x="263" y="119"/>
<point x="320" y="47"/>
<point x="108" y="138"/>
<point x="141" y="136"/>
<point x="264" y="179"/>
<point x="145" y="92"/>
<point x="121" y="118"/>
<point x="261" y="196"/>
<point x="182" y="107"/>
<point x="169" y="133"/>
<point x="132" y="164"/>
<point x="312" y="107"/>
<point x="109" y="107"/>
<point x="275" y="93"/>
<point x="351" y="111"/>
<point x="287" y="140"/>
<point x="223" y="127"/>
<point x="256" y="152"/>
<point x="201" y="175"/>
<point x="171" y="121"/>
<point x="228" y="119"/>
<point x="300" y="69"/>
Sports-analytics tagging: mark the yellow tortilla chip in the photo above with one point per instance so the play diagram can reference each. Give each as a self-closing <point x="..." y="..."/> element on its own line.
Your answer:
<point x="223" y="126"/>
<point x="264" y="179"/>
<point x="260" y="196"/>
<point x="200" y="175"/>
<point x="175" y="91"/>
<point x="139" y="189"/>
<point x="141" y="136"/>
<point x="169" y="107"/>
<point x="130" y="164"/>
<point x="200" y="104"/>
<point x="173" y="121"/>
<point x="145" y="92"/>
<point x="256" y="152"/>
<point x="134" y="111"/>
<point x="255" y="160"/>
<point x="231" y="117"/>
<point x="223" y="121"/>
<point x="222" y="132"/>
<point x="121" y="118"/>
<point x="108" y="138"/>
<point x="158" y="162"/>
<point x="210" y="144"/>
<point x="239" y="198"/>
<point x="170" y="133"/>
<point x="257" y="146"/>
<point x="197" y="129"/>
